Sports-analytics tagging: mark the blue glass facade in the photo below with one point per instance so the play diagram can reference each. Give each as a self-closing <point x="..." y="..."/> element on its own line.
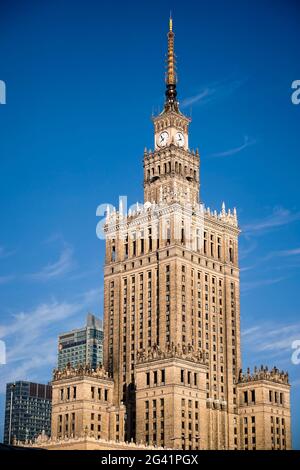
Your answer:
<point x="82" y="346"/>
<point x="27" y="411"/>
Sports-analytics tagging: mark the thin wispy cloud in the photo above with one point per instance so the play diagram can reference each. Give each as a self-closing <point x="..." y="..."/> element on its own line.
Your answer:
<point x="203" y="96"/>
<point x="214" y="91"/>
<point x="273" y="255"/>
<point x="250" y="285"/>
<point x="31" y="336"/>
<point x="234" y="150"/>
<point x="283" y="253"/>
<point x="279" y="218"/>
<point x="4" y="253"/>
<point x="295" y="383"/>
<point x="270" y="341"/>
<point x="247" y="247"/>
<point x="57" y="269"/>
<point x="6" y="279"/>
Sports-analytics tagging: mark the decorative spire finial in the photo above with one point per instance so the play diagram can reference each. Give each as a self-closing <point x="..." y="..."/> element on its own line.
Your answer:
<point x="171" y="77"/>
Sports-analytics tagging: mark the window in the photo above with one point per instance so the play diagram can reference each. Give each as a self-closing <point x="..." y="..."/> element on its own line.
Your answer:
<point x="93" y="392"/>
<point x="148" y="378"/>
<point x="182" y="376"/>
<point x="163" y="375"/>
<point x="155" y="377"/>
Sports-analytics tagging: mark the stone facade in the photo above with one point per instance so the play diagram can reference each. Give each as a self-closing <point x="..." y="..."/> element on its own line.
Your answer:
<point x="172" y="278"/>
<point x="82" y="405"/>
<point x="264" y="410"/>
<point x="82" y="443"/>
<point x="171" y="398"/>
<point x="172" y="347"/>
<point x="84" y="416"/>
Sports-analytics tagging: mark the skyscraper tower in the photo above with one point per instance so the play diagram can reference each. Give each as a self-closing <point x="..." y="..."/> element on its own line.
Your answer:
<point x="27" y="411"/>
<point x="83" y="345"/>
<point x="172" y="299"/>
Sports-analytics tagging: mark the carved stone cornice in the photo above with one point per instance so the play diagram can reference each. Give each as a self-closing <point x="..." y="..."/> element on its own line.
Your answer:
<point x="80" y="371"/>
<point x="273" y="375"/>
<point x="187" y="353"/>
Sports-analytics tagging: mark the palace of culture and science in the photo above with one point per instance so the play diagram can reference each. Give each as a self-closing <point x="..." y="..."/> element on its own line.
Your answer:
<point x="172" y="374"/>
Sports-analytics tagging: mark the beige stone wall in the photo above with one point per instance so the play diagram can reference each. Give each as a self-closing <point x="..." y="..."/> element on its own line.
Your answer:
<point x="172" y="277"/>
<point x="84" y="443"/>
<point x="90" y="410"/>
<point x="174" y="408"/>
<point x="265" y="424"/>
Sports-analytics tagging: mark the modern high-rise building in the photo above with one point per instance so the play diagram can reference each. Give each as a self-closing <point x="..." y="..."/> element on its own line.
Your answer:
<point x="27" y="411"/>
<point x="172" y="339"/>
<point x="83" y="345"/>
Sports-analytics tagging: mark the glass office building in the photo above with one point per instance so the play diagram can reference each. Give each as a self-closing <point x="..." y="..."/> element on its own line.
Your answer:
<point x="27" y="411"/>
<point x="83" y="345"/>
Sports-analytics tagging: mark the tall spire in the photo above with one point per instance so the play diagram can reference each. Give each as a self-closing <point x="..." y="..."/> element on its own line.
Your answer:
<point x="171" y="77"/>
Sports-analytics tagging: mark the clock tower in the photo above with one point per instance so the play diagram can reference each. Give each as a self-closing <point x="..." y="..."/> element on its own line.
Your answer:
<point x="172" y="310"/>
<point x="171" y="126"/>
<point x="172" y="170"/>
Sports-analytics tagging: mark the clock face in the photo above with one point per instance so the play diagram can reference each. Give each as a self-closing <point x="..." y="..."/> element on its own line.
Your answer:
<point x="179" y="139"/>
<point x="163" y="139"/>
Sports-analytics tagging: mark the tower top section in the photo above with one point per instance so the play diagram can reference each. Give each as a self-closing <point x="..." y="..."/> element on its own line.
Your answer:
<point x="171" y="126"/>
<point x="171" y="103"/>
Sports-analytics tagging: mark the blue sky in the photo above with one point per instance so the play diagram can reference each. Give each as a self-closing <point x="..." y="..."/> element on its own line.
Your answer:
<point x="82" y="81"/>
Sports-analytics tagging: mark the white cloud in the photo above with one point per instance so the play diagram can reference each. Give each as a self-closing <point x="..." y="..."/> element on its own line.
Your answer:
<point x="249" y="285"/>
<point x="271" y="341"/>
<point x="235" y="150"/>
<point x="212" y="92"/>
<point x="279" y="217"/>
<point x="204" y="94"/>
<point x="283" y="253"/>
<point x="57" y="269"/>
<point x="31" y="336"/>
<point x="6" y="279"/>
<point x="4" y="253"/>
